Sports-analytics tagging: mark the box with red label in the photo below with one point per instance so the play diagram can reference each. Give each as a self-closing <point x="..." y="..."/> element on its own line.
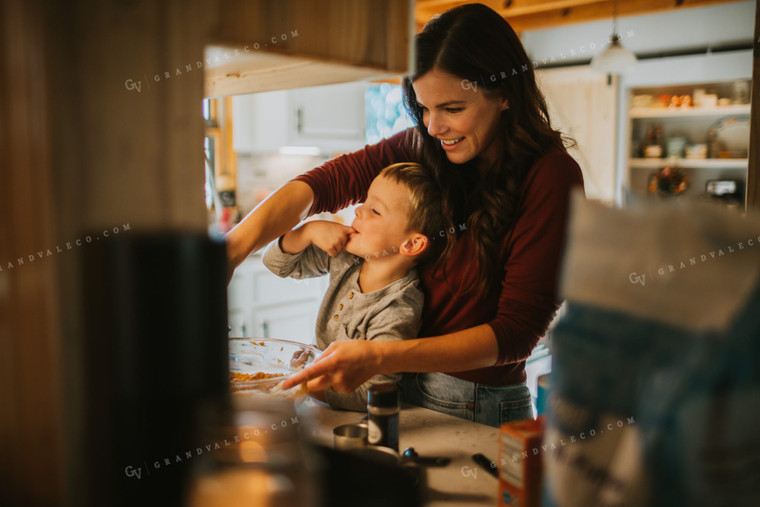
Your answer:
<point x="520" y="463"/>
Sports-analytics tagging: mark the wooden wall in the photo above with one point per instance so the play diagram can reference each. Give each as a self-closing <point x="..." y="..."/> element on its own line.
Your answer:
<point x="102" y="133"/>
<point x="31" y="415"/>
<point x="84" y="154"/>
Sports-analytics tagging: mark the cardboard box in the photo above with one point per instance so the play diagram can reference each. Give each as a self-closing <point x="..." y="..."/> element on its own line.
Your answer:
<point x="520" y="463"/>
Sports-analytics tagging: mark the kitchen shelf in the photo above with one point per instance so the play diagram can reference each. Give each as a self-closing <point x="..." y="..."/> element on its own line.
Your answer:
<point x="694" y="163"/>
<point x="707" y="126"/>
<point x="664" y="112"/>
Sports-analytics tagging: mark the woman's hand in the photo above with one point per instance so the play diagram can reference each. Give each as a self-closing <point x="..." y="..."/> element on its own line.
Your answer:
<point x="344" y="366"/>
<point x="328" y="236"/>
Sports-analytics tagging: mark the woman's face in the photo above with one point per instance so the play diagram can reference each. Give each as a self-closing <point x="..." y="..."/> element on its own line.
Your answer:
<point x="462" y="119"/>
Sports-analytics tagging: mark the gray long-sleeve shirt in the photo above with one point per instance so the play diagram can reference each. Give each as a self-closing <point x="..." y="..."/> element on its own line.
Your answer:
<point x="391" y="313"/>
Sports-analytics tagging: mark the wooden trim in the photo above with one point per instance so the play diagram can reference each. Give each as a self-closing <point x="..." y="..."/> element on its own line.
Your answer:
<point x="395" y="80"/>
<point x="539" y="14"/>
<point x="215" y="134"/>
<point x="753" y="169"/>
<point x="541" y="8"/>
<point x="213" y="111"/>
<point x="229" y="160"/>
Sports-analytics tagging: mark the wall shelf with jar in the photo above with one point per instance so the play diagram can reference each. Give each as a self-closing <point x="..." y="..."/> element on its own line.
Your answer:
<point x="700" y="130"/>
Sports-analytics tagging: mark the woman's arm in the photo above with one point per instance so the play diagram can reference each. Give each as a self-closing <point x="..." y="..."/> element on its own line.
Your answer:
<point x="337" y="183"/>
<point x="463" y="350"/>
<point x="307" y="251"/>
<point x="279" y="213"/>
<point x="346" y="365"/>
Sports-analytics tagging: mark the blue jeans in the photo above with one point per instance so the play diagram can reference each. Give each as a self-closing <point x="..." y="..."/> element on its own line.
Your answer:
<point x="483" y="404"/>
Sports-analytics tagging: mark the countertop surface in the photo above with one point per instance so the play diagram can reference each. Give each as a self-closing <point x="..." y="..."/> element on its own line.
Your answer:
<point x="431" y="433"/>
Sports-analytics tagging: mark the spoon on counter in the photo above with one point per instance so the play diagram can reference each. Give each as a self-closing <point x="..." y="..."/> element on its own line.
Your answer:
<point x="410" y="455"/>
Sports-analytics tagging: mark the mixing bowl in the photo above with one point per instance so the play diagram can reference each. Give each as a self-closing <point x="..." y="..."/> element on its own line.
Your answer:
<point x="269" y="357"/>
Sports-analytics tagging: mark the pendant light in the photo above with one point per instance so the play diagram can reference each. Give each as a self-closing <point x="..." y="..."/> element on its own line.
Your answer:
<point x="615" y="59"/>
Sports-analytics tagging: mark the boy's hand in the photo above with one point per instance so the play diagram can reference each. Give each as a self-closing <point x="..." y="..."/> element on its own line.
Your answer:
<point x="328" y="236"/>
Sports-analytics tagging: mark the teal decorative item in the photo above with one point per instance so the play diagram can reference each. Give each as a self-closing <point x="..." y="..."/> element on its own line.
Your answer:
<point x="385" y="112"/>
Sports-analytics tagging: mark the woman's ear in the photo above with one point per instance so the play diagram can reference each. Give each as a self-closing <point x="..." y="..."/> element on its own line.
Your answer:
<point x="414" y="245"/>
<point x="501" y="95"/>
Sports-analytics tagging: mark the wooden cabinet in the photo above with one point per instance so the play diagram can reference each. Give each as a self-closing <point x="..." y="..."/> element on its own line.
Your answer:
<point x="260" y="45"/>
<point x="261" y="304"/>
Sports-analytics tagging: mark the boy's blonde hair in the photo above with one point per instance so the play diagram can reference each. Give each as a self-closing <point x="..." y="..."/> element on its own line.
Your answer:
<point x="425" y="211"/>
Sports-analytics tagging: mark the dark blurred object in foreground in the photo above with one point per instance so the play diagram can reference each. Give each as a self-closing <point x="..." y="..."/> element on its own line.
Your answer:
<point x="155" y="362"/>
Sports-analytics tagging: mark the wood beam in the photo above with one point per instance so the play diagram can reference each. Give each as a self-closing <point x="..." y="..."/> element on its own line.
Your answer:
<point x="32" y="468"/>
<point x="538" y="14"/>
<point x="516" y="11"/>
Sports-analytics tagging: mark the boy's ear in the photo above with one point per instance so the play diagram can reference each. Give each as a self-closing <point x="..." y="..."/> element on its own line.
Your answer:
<point x="414" y="245"/>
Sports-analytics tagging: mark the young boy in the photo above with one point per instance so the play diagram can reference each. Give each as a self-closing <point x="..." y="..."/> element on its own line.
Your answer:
<point x="374" y="291"/>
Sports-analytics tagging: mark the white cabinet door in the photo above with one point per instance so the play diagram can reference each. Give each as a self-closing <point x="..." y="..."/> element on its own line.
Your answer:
<point x="582" y="105"/>
<point x="293" y="321"/>
<point x="330" y="117"/>
<point x="240" y="323"/>
<point x="240" y="288"/>
<point x="260" y="122"/>
<point x="261" y="304"/>
<point x="269" y="289"/>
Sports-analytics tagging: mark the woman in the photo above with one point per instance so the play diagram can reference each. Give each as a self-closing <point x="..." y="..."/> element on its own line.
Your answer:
<point x="482" y="126"/>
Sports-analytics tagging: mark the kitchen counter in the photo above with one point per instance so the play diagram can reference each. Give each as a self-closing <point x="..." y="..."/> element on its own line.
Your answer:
<point x="431" y="433"/>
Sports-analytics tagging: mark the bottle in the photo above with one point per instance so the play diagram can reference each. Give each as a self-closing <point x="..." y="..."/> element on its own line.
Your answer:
<point x="382" y="421"/>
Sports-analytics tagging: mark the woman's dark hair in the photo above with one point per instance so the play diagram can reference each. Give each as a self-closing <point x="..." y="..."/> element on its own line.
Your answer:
<point x="474" y="43"/>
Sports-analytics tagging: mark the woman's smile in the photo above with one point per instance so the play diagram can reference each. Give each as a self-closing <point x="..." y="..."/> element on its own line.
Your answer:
<point x="450" y="144"/>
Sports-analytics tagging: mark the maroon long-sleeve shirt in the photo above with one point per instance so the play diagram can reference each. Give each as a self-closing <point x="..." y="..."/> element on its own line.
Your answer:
<point x="520" y="308"/>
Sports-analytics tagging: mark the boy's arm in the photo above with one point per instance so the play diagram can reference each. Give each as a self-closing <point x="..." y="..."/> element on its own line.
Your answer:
<point x="295" y="241"/>
<point x="330" y="237"/>
<point x="308" y="263"/>
<point x="300" y="253"/>
<point x="397" y="321"/>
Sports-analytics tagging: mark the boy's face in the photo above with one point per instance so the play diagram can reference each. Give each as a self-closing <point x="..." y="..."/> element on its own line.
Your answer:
<point x="381" y="222"/>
